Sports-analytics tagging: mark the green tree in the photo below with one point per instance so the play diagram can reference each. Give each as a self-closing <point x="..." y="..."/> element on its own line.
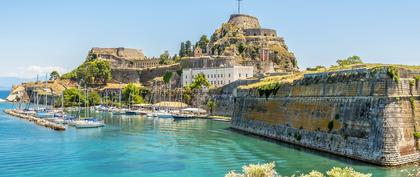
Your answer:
<point x="211" y="104"/>
<point x="132" y="94"/>
<point x="203" y="42"/>
<point x="176" y="58"/>
<point x="165" y="58"/>
<point x="167" y="77"/>
<point x="199" y="81"/>
<point x="74" y="97"/>
<point x="94" y="98"/>
<point x="195" y="87"/>
<point x="91" y="56"/>
<point x="350" y="61"/>
<point x="182" y="50"/>
<point x="102" y="72"/>
<point x="54" y="75"/>
<point x="187" y="94"/>
<point x="94" y="73"/>
<point x="71" y="75"/>
<point x="188" y="49"/>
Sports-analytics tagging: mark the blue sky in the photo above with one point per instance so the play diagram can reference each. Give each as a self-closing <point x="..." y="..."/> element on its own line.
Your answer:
<point x="39" y="36"/>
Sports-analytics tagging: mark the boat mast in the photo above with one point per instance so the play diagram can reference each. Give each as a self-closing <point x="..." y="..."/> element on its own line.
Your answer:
<point x="86" y="102"/>
<point x="62" y="100"/>
<point x="46" y="88"/>
<point x="119" y="97"/>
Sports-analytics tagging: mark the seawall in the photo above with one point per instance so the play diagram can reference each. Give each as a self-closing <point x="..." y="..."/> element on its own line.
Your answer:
<point x="364" y="116"/>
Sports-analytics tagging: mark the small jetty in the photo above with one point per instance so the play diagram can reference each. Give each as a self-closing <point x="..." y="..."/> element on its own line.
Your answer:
<point x="36" y="120"/>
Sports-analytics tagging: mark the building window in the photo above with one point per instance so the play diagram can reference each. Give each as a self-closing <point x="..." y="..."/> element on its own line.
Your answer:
<point x="239" y="74"/>
<point x="229" y="75"/>
<point x="186" y="77"/>
<point x="246" y="75"/>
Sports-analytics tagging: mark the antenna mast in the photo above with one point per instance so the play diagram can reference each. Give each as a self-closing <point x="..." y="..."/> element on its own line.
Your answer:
<point x="239" y="6"/>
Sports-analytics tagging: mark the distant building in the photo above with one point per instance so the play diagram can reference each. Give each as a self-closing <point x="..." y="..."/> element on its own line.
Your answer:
<point x="124" y="58"/>
<point x="218" y="76"/>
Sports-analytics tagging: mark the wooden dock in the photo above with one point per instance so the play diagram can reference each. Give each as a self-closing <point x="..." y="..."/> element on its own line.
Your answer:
<point x="36" y="120"/>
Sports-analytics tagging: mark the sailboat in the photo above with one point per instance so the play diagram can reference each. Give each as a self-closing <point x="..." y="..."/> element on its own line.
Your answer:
<point x="45" y="112"/>
<point x="88" y="122"/>
<point x="162" y="113"/>
<point x="181" y="114"/>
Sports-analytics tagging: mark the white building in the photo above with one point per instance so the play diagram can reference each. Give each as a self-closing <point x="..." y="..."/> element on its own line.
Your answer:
<point x="218" y="76"/>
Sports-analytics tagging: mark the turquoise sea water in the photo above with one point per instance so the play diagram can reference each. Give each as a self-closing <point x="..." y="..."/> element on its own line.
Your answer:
<point x="135" y="146"/>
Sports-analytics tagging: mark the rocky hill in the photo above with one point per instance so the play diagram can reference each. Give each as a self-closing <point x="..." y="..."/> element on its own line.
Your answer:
<point x="243" y="37"/>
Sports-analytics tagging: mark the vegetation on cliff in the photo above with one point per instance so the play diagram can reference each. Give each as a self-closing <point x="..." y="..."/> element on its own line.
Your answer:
<point x="91" y="73"/>
<point x="269" y="84"/>
<point x="54" y="75"/>
<point x="350" y="61"/>
<point x="230" y="40"/>
<point x="267" y="170"/>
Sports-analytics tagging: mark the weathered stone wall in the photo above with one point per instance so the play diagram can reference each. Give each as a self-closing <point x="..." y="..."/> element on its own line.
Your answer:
<point x="126" y="53"/>
<point x="224" y="97"/>
<point x="260" y="32"/>
<point x="244" y="21"/>
<point x="371" y="120"/>
<point x="141" y="75"/>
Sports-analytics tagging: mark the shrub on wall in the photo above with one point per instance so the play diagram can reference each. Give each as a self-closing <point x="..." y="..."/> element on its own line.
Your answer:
<point x="412" y="102"/>
<point x="269" y="89"/>
<point x="330" y="125"/>
<point x="267" y="170"/>
<point x="412" y="83"/>
<point x="417" y="135"/>
<point x="394" y="73"/>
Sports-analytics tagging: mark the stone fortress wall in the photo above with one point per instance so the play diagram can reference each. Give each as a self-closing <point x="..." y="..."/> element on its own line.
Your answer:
<point x="260" y="32"/>
<point x="372" y="120"/>
<point x="142" y="75"/>
<point x="123" y="58"/>
<point x="126" y="53"/>
<point x="244" y="21"/>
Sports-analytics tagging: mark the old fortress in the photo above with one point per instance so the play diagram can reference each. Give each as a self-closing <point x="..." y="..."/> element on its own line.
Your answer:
<point x="362" y="111"/>
<point x="255" y="51"/>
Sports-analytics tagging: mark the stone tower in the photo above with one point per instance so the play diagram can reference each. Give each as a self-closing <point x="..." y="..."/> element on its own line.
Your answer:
<point x="244" y="21"/>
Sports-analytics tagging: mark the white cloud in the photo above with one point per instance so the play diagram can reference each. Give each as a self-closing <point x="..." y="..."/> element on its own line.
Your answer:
<point x="34" y="70"/>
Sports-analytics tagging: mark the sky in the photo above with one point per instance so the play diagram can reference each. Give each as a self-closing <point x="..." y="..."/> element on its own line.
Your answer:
<point x="37" y="37"/>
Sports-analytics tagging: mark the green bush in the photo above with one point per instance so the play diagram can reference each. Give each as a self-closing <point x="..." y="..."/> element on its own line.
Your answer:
<point x="267" y="170"/>
<point x="298" y="136"/>
<point x="417" y="78"/>
<point x="316" y="68"/>
<point x="417" y="135"/>
<point x="350" y="61"/>
<point x="313" y="174"/>
<point x="70" y="75"/>
<point x="269" y="89"/>
<point x="330" y="125"/>
<point x="259" y="170"/>
<point x="345" y="172"/>
<point x="394" y="73"/>
<point x="412" y="83"/>
<point x="92" y="73"/>
<point x="412" y="102"/>
<point x="132" y="94"/>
